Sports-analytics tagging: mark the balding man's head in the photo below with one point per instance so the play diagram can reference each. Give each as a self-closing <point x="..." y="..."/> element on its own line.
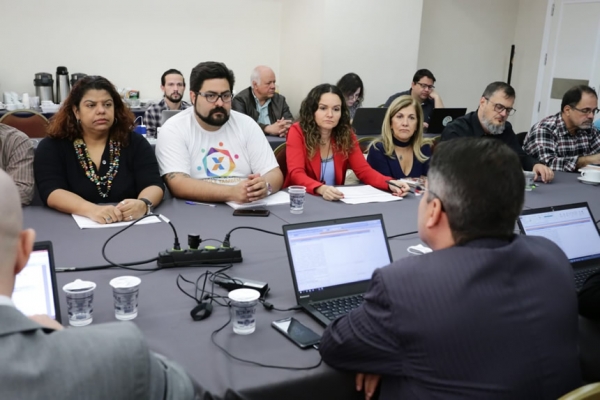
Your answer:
<point x="15" y="244"/>
<point x="263" y="82"/>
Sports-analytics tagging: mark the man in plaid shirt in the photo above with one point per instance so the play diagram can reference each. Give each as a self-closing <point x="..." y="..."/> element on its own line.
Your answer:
<point x="568" y="140"/>
<point x="173" y="86"/>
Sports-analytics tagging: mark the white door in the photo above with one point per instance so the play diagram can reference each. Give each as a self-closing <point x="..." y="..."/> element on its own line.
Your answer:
<point x="573" y="52"/>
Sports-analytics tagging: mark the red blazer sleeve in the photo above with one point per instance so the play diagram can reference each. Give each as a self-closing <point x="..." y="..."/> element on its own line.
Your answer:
<point x="300" y="171"/>
<point x="363" y="170"/>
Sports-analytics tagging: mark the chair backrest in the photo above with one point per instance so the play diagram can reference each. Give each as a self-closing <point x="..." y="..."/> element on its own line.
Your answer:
<point x="587" y="392"/>
<point x="31" y="123"/>
<point x="280" y="155"/>
<point x="364" y="143"/>
<point x="432" y="142"/>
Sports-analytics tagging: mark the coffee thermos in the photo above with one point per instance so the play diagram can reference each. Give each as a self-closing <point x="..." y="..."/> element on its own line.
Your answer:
<point x="44" y="83"/>
<point x="62" y="84"/>
<point x="75" y="77"/>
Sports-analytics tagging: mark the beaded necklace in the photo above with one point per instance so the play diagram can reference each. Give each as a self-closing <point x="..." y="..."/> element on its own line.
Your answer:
<point x="103" y="183"/>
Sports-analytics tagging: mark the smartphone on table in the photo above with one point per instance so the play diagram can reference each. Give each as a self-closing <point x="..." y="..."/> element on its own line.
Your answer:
<point x="251" y="212"/>
<point x="297" y="332"/>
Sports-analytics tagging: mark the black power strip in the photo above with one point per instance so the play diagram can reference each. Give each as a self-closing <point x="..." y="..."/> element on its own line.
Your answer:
<point x="183" y="258"/>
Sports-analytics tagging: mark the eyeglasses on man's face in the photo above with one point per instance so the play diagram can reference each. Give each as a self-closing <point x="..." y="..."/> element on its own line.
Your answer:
<point x="499" y="108"/>
<point x="587" y="111"/>
<point x="212" y="97"/>
<point x="425" y="86"/>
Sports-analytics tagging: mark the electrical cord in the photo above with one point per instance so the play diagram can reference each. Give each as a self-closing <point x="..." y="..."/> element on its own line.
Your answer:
<point x="226" y="242"/>
<point x="402" y="234"/>
<point x="270" y="306"/>
<point x="128" y="266"/>
<point x="259" y="364"/>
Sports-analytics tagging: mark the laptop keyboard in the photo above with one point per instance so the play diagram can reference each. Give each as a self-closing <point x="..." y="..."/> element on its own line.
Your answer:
<point x="581" y="276"/>
<point x="338" y="307"/>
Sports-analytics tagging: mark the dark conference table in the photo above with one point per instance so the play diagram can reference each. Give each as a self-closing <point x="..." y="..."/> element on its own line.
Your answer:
<point x="164" y="310"/>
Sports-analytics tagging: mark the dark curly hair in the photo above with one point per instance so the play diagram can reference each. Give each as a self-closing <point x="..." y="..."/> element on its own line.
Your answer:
<point x="64" y="123"/>
<point x="342" y="133"/>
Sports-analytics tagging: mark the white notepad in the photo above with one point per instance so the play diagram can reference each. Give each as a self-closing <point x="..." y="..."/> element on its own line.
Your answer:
<point x="365" y="194"/>
<point x="280" y="197"/>
<point x="86" y="223"/>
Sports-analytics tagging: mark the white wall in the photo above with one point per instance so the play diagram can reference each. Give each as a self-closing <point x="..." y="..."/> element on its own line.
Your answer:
<point x="133" y="42"/>
<point x="322" y="40"/>
<point x="466" y="44"/>
<point x="529" y="34"/>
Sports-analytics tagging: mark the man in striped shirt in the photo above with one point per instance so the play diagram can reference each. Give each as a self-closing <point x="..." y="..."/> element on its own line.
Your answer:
<point x="16" y="159"/>
<point x="568" y="140"/>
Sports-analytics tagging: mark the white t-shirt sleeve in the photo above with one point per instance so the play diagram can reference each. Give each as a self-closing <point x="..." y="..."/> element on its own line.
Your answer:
<point x="260" y="154"/>
<point x="171" y="148"/>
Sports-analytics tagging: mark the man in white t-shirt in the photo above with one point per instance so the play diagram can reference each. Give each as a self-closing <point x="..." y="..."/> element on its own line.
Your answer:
<point x="210" y="153"/>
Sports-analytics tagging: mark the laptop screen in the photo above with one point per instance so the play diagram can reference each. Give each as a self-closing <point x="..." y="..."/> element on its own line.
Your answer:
<point x="336" y="253"/>
<point x="35" y="285"/>
<point x="571" y="227"/>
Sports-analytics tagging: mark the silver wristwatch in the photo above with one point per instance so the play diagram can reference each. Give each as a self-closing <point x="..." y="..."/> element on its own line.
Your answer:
<point x="148" y="205"/>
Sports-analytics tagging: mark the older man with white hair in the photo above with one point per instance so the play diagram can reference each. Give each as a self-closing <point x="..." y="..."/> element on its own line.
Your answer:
<point x="263" y="104"/>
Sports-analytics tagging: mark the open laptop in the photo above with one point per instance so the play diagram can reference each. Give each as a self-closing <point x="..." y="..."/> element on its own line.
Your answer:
<point x="35" y="289"/>
<point x="368" y="121"/>
<point x="166" y="114"/>
<point x="573" y="228"/>
<point x="440" y="117"/>
<point x="332" y="262"/>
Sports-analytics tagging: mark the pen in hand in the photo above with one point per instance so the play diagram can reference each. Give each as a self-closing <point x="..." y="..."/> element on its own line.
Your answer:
<point x="398" y="186"/>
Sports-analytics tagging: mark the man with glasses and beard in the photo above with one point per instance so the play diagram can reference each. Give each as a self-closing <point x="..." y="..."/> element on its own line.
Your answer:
<point x="568" y="140"/>
<point x="172" y="84"/>
<point x="490" y="120"/>
<point x="422" y="90"/>
<point x="211" y="153"/>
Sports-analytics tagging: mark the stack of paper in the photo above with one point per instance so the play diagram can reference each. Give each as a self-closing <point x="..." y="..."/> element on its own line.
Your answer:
<point x="365" y="194"/>
<point x="280" y="197"/>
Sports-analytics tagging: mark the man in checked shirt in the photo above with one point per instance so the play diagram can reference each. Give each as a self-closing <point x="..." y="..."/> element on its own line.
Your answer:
<point x="568" y="140"/>
<point x="172" y="84"/>
<point x="16" y="159"/>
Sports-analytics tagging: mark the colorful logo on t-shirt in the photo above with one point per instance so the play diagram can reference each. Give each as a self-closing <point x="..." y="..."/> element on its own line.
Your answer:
<point x="218" y="162"/>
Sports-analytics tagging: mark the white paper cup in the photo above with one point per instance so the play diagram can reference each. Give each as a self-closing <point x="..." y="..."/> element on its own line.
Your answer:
<point x="126" y="291"/>
<point x="297" y="195"/>
<point x="243" y="304"/>
<point x="80" y="296"/>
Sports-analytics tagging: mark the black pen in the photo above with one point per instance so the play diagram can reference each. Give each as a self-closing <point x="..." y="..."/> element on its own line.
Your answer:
<point x="399" y="187"/>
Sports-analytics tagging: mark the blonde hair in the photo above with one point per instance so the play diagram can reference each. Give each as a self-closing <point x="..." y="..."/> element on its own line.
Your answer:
<point x="387" y="134"/>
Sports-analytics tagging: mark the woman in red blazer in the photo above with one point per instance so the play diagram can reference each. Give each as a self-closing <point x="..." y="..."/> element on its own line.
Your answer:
<point x="321" y="147"/>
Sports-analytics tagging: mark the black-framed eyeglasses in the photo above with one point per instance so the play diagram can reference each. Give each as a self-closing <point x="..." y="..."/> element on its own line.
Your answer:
<point x="427" y="190"/>
<point x="499" y="108"/>
<point x="425" y="86"/>
<point x="212" y="97"/>
<point x="586" y="111"/>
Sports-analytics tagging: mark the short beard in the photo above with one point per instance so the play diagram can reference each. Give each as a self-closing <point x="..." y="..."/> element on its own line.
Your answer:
<point x="492" y="128"/>
<point x="210" y="119"/>
<point x="172" y="100"/>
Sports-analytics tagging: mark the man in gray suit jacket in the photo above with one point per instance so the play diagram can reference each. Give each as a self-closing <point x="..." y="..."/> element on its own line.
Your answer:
<point x="41" y="360"/>
<point x="486" y="315"/>
<point x="261" y="103"/>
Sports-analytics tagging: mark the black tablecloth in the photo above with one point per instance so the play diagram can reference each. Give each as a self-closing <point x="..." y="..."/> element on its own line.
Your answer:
<point x="164" y="310"/>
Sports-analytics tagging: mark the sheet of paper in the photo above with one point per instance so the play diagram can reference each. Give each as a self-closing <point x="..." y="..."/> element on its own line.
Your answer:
<point x="86" y="223"/>
<point x="365" y="194"/>
<point x="281" y="197"/>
